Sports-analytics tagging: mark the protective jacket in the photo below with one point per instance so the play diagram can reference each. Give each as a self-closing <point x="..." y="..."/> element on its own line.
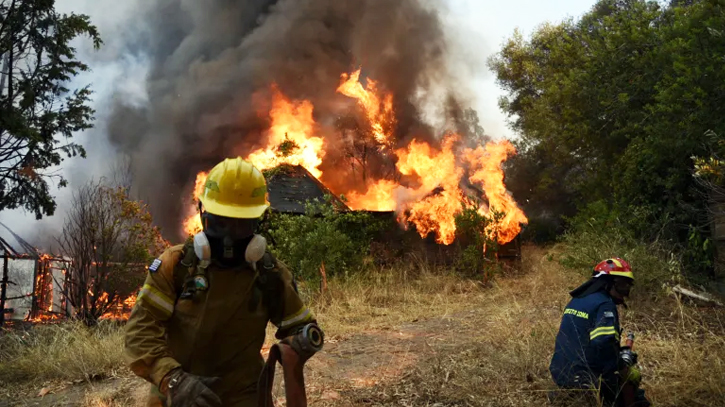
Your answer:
<point x="587" y="345"/>
<point x="211" y="321"/>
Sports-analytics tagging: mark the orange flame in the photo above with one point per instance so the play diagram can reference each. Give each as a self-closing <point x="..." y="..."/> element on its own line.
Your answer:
<point x="430" y="195"/>
<point x="378" y="197"/>
<point x="436" y="169"/>
<point x="289" y="139"/>
<point x="192" y="224"/>
<point x="379" y="112"/>
<point x="486" y="167"/>
<point x="433" y="205"/>
<point x="120" y="310"/>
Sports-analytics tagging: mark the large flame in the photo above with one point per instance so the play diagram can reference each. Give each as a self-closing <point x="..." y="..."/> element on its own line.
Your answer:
<point x="378" y="197"/>
<point x="486" y="167"/>
<point x="379" y="112"/>
<point x="433" y="213"/>
<point x="429" y="194"/>
<point x="290" y="139"/>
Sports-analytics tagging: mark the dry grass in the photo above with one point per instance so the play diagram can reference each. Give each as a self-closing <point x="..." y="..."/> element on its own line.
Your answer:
<point x="505" y="363"/>
<point x="68" y="351"/>
<point x="385" y="298"/>
<point x="492" y="347"/>
<point x="124" y="394"/>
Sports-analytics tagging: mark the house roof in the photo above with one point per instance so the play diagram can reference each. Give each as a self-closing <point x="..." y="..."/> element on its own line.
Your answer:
<point x="14" y="246"/>
<point x="291" y="186"/>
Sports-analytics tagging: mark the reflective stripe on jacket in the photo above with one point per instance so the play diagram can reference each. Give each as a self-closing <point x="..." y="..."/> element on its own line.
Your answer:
<point x="587" y="345"/>
<point x="218" y="331"/>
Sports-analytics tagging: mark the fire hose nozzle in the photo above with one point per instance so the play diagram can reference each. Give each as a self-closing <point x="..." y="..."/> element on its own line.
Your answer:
<point x="627" y="355"/>
<point x="308" y="341"/>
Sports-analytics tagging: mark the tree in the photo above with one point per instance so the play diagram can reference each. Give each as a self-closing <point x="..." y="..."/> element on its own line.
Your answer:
<point x="110" y="239"/>
<point x="612" y="107"/>
<point x="38" y="113"/>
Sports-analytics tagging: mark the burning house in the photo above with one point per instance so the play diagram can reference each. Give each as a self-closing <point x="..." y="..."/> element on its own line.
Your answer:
<point x="290" y="187"/>
<point x="368" y="97"/>
<point x="38" y="287"/>
<point x="33" y="283"/>
<point x="422" y="182"/>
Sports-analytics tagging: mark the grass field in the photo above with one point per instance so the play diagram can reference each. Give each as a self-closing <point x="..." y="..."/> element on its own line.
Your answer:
<point x="411" y="336"/>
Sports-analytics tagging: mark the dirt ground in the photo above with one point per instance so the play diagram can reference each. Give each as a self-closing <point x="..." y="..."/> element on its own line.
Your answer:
<point x="437" y="341"/>
<point x="360" y="361"/>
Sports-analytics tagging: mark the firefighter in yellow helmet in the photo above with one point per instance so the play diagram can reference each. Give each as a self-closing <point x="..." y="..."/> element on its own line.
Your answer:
<point x="199" y="322"/>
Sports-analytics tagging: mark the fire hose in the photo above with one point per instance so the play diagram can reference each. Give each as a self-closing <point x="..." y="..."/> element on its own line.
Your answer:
<point x="291" y="353"/>
<point x="629" y="359"/>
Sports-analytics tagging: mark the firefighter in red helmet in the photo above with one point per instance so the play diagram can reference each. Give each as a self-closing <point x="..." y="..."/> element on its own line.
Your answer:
<point x="587" y="353"/>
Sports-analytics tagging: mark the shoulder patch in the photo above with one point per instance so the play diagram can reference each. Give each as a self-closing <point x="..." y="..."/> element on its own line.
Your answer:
<point x="155" y="265"/>
<point x="608" y="314"/>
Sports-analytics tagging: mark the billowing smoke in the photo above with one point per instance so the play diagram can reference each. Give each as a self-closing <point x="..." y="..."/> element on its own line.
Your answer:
<point x="212" y="62"/>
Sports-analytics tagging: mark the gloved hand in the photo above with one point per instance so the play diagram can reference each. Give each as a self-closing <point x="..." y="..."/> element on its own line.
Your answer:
<point x="184" y="389"/>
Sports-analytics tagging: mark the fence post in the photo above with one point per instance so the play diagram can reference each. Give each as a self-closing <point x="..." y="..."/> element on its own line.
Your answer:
<point x="3" y="289"/>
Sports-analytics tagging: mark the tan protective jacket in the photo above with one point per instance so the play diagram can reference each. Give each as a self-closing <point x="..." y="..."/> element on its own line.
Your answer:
<point x="219" y="329"/>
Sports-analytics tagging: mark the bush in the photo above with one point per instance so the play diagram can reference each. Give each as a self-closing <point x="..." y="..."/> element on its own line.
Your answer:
<point x="477" y="239"/>
<point x="597" y="233"/>
<point x="340" y="239"/>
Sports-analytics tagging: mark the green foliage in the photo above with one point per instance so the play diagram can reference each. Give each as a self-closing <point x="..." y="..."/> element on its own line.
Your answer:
<point x="270" y="173"/>
<point x="477" y="239"/>
<point x="38" y="113"/>
<point x="613" y="107"/>
<point x="711" y="168"/>
<point x="596" y="234"/>
<point x="340" y="239"/>
<point x="287" y="147"/>
<point x="699" y="253"/>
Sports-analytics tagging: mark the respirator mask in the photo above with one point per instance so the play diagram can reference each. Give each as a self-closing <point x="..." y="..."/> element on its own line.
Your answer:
<point x="228" y="237"/>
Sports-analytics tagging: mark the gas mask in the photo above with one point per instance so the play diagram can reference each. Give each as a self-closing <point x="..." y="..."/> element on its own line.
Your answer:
<point x="228" y="237"/>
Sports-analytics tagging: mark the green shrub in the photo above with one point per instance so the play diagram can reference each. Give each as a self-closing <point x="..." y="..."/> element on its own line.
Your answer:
<point x="597" y="233"/>
<point x="477" y="239"/>
<point x="340" y="239"/>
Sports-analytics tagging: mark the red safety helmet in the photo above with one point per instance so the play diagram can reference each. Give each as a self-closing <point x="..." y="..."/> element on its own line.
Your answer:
<point x="613" y="267"/>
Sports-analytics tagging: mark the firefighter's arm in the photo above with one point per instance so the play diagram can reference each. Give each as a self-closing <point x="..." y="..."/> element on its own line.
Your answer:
<point x="296" y="323"/>
<point x="145" y="348"/>
<point x="604" y="339"/>
<point x="294" y="313"/>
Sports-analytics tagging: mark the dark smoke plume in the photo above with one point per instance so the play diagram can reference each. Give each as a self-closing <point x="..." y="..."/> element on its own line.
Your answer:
<point x="210" y="57"/>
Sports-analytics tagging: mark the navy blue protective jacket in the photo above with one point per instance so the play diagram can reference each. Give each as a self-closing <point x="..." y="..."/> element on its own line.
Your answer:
<point x="587" y="345"/>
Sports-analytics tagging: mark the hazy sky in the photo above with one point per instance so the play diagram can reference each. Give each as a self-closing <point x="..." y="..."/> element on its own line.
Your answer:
<point x="481" y="26"/>
<point x="494" y="22"/>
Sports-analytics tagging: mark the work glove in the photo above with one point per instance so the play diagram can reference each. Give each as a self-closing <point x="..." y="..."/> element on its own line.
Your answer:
<point x="184" y="389"/>
<point x="632" y="375"/>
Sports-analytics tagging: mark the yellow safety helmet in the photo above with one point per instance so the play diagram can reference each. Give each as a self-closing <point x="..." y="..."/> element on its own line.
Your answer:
<point x="235" y="188"/>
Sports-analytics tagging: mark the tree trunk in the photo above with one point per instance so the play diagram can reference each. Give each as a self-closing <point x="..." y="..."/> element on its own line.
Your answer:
<point x="3" y="289"/>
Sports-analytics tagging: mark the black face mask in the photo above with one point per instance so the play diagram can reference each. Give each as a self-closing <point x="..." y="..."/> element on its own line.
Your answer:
<point x="228" y="237"/>
<point x="228" y="252"/>
<point x="234" y="228"/>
